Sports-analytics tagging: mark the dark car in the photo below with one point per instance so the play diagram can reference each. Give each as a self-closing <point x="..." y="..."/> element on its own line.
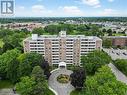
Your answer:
<point x="117" y="53"/>
<point x="124" y="53"/>
<point x="113" y="52"/>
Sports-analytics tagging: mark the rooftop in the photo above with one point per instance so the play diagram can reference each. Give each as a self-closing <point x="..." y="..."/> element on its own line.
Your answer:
<point x="61" y="35"/>
<point x="116" y="37"/>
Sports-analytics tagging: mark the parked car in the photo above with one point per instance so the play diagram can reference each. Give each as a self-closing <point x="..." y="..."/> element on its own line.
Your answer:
<point x="117" y="53"/>
<point x="113" y="52"/>
<point x="124" y="53"/>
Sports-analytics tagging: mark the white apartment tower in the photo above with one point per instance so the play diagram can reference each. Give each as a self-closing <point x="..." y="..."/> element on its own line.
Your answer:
<point x="62" y="47"/>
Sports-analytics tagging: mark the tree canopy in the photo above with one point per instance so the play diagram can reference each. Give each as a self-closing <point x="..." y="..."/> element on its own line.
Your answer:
<point x="8" y="64"/>
<point x="36" y="84"/>
<point x="28" y="61"/>
<point x="104" y="83"/>
<point x="78" y="77"/>
<point x="95" y="60"/>
<point x="38" y="31"/>
<point x="107" y="43"/>
<point x="26" y="85"/>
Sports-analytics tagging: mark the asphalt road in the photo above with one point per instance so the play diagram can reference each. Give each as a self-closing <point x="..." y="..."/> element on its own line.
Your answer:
<point x="113" y="53"/>
<point x="61" y="89"/>
<point x="119" y="75"/>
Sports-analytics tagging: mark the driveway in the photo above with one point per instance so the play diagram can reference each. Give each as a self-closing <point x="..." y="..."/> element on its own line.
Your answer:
<point x="61" y="89"/>
<point x="117" y="54"/>
<point x="119" y="75"/>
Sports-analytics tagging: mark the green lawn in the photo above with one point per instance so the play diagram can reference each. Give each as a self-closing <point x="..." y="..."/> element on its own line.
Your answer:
<point x="5" y="84"/>
<point x="53" y="67"/>
<point x="75" y="92"/>
<point x="8" y="84"/>
<point x="118" y="34"/>
<point x="50" y="92"/>
<point x="46" y="33"/>
<point x="1" y="43"/>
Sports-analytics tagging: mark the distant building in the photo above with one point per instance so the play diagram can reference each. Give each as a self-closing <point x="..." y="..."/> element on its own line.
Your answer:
<point x="119" y="41"/>
<point x="62" y="47"/>
<point x="19" y="26"/>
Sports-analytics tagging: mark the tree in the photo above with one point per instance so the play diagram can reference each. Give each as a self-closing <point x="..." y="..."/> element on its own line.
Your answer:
<point x="67" y="27"/>
<point x="14" y="40"/>
<point x="45" y="66"/>
<point x="12" y="72"/>
<point x="1" y="51"/>
<point x="109" y="31"/>
<point x="5" y="32"/>
<point x="95" y="60"/>
<point x="41" y="83"/>
<point x="25" y="86"/>
<point x="107" y="43"/>
<point x="104" y="30"/>
<point x="104" y="83"/>
<point x="7" y="46"/>
<point x="38" y="74"/>
<point x="28" y="61"/>
<point x="83" y="28"/>
<point x="7" y="61"/>
<point x="114" y="32"/>
<point x="38" y="31"/>
<point x="78" y="77"/>
<point x="52" y="29"/>
<point x="36" y="84"/>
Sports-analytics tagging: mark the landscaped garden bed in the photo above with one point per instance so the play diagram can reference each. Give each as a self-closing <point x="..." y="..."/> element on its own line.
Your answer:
<point x="63" y="78"/>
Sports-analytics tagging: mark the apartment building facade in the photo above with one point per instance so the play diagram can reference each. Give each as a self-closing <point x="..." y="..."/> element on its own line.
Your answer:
<point x="118" y="41"/>
<point x="62" y="47"/>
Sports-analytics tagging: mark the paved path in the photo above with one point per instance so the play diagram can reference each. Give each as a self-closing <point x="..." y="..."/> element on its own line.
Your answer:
<point x="119" y="75"/>
<point x="7" y="92"/>
<point x="61" y="89"/>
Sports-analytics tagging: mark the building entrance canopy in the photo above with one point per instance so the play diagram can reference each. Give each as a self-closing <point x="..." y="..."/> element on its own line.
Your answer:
<point x="62" y="65"/>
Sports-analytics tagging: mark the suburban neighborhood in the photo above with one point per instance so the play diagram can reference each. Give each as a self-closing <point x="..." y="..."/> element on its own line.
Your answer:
<point x="63" y="47"/>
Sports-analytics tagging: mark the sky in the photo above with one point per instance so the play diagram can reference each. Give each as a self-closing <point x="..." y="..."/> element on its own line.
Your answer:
<point x="70" y="8"/>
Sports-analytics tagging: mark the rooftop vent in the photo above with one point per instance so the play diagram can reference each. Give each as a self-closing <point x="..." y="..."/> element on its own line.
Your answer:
<point x="62" y="34"/>
<point x="34" y="36"/>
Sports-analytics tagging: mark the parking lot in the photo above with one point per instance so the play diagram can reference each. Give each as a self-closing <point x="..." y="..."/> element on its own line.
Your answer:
<point x="117" y="53"/>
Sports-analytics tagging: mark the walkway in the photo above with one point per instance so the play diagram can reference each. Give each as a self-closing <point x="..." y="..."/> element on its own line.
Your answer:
<point x="61" y="89"/>
<point x="119" y="75"/>
<point x="6" y="92"/>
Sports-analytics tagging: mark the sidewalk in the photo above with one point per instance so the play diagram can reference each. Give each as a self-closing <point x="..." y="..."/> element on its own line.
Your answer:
<point x="7" y="92"/>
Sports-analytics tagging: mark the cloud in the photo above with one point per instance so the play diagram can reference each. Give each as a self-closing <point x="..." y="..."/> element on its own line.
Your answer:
<point x="33" y="11"/>
<point x="110" y="0"/>
<point x="38" y="8"/>
<point x="93" y="3"/>
<point x="71" y="10"/>
<point x="110" y="12"/>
